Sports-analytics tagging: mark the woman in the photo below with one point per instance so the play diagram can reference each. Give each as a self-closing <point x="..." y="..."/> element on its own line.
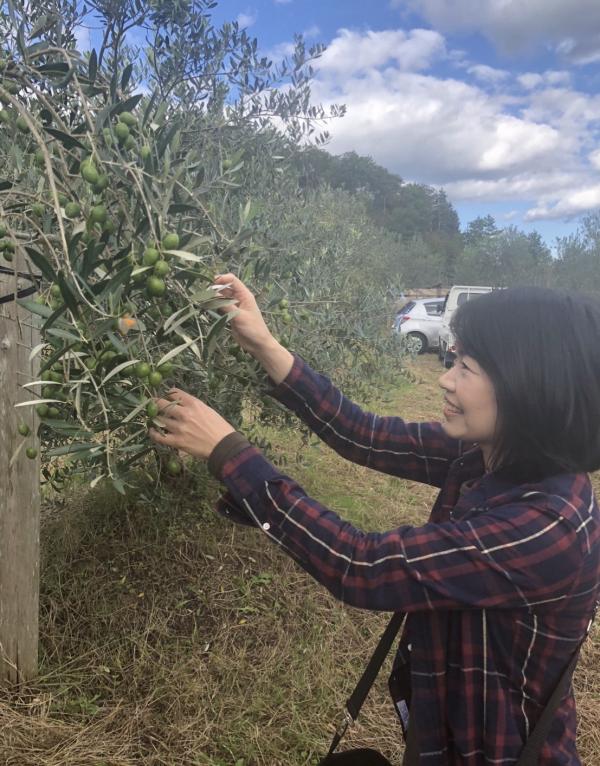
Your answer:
<point x="501" y="584"/>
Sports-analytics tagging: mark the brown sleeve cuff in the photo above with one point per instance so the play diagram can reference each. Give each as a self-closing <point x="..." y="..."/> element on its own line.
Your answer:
<point x="230" y="446"/>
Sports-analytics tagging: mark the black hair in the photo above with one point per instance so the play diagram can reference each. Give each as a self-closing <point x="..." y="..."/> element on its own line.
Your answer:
<point x="541" y="350"/>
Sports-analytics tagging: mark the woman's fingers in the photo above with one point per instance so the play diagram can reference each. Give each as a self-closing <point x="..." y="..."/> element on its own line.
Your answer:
<point x="181" y="397"/>
<point x="167" y="440"/>
<point x="168" y="408"/>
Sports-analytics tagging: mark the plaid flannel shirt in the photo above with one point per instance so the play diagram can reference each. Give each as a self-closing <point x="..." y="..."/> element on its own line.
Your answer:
<point x="499" y="586"/>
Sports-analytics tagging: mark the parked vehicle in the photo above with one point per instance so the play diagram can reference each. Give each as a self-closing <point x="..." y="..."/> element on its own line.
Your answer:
<point x="420" y="321"/>
<point x="458" y="295"/>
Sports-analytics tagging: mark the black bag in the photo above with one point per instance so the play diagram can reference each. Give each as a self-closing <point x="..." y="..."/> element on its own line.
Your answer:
<point x="366" y="756"/>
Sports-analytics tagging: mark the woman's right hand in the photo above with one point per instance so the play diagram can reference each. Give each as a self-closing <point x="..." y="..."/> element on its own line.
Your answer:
<point x="250" y="330"/>
<point x="248" y="326"/>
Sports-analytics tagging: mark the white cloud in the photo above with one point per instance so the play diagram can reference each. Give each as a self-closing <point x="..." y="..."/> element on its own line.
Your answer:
<point x="311" y="32"/>
<point x="351" y="52"/>
<point x="489" y="140"/>
<point x="531" y="80"/>
<point x="246" y="20"/>
<point x="575" y="203"/>
<point x="82" y="35"/>
<point x="570" y="27"/>
<point x="488" y="74"/>
<point x="594" y="158"/>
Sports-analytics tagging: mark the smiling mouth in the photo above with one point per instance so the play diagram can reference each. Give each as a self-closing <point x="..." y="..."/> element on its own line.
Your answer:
<point x="451" y="407"/>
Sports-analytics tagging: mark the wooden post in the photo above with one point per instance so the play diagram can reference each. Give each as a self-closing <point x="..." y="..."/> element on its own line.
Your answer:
<point x="19" y="490"/>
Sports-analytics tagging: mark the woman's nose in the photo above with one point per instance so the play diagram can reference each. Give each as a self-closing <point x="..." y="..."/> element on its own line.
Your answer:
<point x="446" y="380"/>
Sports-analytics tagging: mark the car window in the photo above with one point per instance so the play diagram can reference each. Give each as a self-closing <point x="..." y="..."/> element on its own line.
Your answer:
<point x="434" y="308"/>
<point x="462" y="298"/>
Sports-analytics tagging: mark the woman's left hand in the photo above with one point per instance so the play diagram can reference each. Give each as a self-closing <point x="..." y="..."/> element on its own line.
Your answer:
<point x="190" y="425"/>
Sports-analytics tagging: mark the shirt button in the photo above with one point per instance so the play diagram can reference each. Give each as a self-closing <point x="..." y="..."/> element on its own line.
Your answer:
<point x="266" y="526"/>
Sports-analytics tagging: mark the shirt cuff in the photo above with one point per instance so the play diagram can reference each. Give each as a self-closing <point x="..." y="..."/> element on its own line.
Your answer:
<point x="230" y="446"/>
<point x="279" y="390"/>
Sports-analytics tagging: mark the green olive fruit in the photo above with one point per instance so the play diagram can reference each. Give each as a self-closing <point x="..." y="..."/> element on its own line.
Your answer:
<point x="161" y="268"/>
<point x="22" y="124"/>
<point x="151" y="256"/>
<point x="286" y="317"/>
<point x="128" y="119"/>
<point x="121" y="131"/>
<point x="55" y="290"/>
<point x="42" y="410"/>
<point x="31" y="453"/>
<point x="108" y="139"/>
<point x="226" y="164"/>
<point x="102" y="185"/>
<point x="12" y="87"/>
<point x="39" y="158"/>
<point x="8" y="246"/>
<point x="170" y="241"/>
<point x="2" y="230"/>
<point x="72" y="209"/>
<point x="284" y="303"/>
<point x="145" y="153"/>
<point x="142" y="369"/>
<point x="46" y="375"/>
<point x="98" y="214"/>
<point x="90" y="172"/>
<point x="24" y="429"/>
<point x="57" y="377"/>
<point x="152" y="409"/>
<point x="130" y="144"/>
<point x="165" y="369"/>
<point x="38" y="209"/>
<point x="62" y="199"/>
<point x="109" y="227"/>
<point x="91" y="364"/>
<point x="8" y="256"/>
<point x="53" y="412"/>
<point x="155" y="378"/>
<point x="4" y="116"/>
<point x="155" y="286"/>
<point x="48" y="392"/>
<point x="174" y="467"/>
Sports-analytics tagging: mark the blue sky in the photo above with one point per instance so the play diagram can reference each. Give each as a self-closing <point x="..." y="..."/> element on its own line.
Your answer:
<point x="494" y="100"/>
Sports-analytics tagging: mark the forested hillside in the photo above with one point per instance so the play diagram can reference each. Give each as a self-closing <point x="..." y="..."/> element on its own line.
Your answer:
<point x="430" y="247"/>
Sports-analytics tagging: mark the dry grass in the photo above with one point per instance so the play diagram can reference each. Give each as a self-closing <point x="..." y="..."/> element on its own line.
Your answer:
<point x="171" y="638"/>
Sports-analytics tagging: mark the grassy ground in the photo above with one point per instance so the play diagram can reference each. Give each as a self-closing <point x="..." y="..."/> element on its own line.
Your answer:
<point x="170" y="637"/>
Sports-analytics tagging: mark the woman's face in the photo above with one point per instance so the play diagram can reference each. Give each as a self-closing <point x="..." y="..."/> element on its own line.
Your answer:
<point x="470" y="407"/>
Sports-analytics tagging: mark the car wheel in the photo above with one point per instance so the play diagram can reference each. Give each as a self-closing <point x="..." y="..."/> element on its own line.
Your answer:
<point x="440" y="351"/>
<point x="448" y="359"/>
<point x="418" y="342"/>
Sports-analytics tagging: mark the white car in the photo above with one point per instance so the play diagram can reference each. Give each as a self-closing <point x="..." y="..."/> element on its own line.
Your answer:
<point x="458" y="295"/>
<point x="420" y="321"/>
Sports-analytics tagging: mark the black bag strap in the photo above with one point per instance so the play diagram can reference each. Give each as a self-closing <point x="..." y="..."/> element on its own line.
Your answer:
<point x="531" y="751"/>
<point x="356" y="699"/>
<point x="530" y="754"/>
